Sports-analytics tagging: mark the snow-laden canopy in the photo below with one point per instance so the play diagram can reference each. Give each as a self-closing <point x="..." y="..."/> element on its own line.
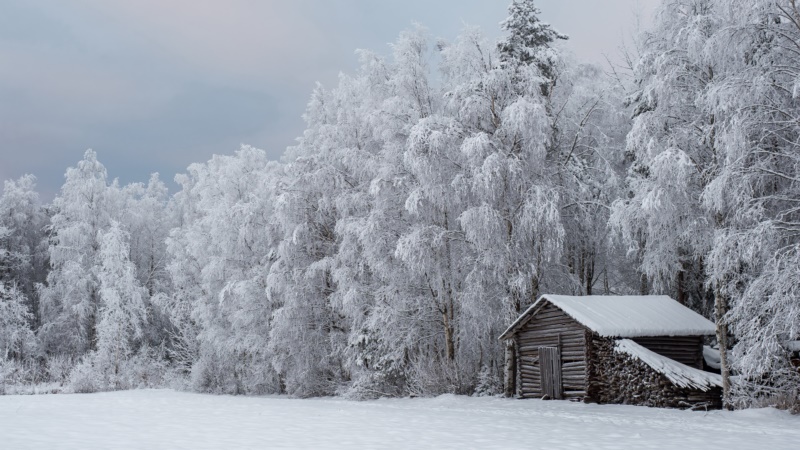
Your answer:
<point x="624" y="316"/>
<point x="678" y="373"/>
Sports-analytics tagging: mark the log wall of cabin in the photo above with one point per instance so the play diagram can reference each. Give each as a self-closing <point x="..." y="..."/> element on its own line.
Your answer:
<point x="684" y="349"/>
<point x="551" y="327"/>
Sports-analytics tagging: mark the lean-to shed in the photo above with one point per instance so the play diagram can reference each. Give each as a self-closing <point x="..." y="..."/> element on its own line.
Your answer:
<point x="645" y="350"/>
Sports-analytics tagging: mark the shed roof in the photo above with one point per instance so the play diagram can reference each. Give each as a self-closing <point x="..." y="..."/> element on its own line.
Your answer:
<point x="624" y="315"/>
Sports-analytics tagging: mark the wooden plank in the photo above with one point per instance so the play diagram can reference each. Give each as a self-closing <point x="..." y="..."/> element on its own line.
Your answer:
<point x="568" y="365"/>
<point x="566" y="341"/>
<point x="547" y="335"/>
<point x="574" y="351"/>
<point x="560" y="319"/>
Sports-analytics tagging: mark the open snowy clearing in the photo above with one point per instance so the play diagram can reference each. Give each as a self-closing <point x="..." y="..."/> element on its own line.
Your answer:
<point x="168" y="419"/>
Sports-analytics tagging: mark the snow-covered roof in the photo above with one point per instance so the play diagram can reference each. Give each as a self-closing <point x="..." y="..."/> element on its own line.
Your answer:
<point x="624" y="315"/>
<point x="678" y="373"/>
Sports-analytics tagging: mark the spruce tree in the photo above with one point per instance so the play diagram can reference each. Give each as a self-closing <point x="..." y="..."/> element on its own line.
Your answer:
<point x="529" y="41"/>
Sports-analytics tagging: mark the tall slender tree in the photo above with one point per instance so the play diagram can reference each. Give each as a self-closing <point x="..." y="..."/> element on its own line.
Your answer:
<point x="70" y="296"/>
<point x="122" y="311"/>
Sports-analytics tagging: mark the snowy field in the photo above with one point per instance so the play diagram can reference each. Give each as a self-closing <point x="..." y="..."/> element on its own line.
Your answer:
<point x="153" y="419"/>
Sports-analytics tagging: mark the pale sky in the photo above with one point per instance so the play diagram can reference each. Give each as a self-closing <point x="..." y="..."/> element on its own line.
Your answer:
<point x="155" y="85"/>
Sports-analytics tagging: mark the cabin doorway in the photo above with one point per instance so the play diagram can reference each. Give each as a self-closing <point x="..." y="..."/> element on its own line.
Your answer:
<point x="550" y="365"/>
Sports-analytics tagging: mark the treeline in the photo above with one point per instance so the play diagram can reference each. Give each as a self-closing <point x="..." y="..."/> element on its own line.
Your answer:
<point x="433" y="196"/>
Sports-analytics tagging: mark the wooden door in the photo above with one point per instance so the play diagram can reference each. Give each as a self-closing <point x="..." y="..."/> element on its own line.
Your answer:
<point x="550" y="365"/>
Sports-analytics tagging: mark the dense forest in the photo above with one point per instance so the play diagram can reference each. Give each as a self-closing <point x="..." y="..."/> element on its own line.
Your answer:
<point x="435" y="194"/>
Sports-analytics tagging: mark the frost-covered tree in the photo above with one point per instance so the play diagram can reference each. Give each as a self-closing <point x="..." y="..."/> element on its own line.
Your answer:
<point x="220" y="257"/>
<point x="675" y="154"/>
<point x="592" y="125"/>
<point x="69" y="299"/>
<point x="673" y="151"/>
<point x="308" y="333"/>
<point x="529" y="41"/>
<point x="23" y="248"/>
<point x="144" y="212"/>
<point x="711" y="210"/>
<point x="122" y="311"/>
<point x="754" y="193"/>
<point x="17" y="340"/>
<point x="500" y="101"/>
<point x="383" y="316"/>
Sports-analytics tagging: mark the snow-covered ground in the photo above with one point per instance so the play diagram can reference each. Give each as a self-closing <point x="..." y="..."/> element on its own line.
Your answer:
<point x="152" y="419"/>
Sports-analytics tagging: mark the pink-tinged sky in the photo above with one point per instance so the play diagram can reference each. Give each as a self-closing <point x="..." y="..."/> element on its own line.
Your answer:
<point x="154" y="85"/>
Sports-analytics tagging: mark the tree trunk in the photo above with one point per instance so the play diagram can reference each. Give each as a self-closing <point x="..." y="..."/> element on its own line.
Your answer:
<point x="91" y="332"/>
<point x="643" y="289"/>
<point x="511" y="369"/>
<point x="448" y="336"/>
<point x="589" y="272"/>
<point x="720" y="307"/>
<point x="681" y="288"/>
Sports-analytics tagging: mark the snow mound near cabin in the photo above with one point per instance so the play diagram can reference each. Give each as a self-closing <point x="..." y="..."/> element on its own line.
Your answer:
<point x="678" y="373"/>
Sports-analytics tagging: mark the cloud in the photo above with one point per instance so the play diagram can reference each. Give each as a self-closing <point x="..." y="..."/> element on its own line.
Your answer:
<point x="154" y="85"/>
<point x="235" y="41"/>
<point x="39" y="79"/>
<point x="598" y="29"/>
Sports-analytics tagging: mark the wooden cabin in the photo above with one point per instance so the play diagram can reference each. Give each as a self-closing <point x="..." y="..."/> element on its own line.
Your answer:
<point x="645" y="350"/>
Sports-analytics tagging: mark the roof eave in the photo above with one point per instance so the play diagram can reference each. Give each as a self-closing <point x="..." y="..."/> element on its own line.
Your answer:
<point x="520" y="321"/>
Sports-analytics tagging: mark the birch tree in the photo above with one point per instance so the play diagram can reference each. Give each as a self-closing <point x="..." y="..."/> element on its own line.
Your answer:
<point x="501" y="101"/>
<point x="220" y="257"/>
<point x="752" y="263"/>
<point x="17" y="340"/>
<point x="70" y="296"/>
<point x="122" y="311"/>
<point x="673" y="149"/>
<point x="23" y="248"/>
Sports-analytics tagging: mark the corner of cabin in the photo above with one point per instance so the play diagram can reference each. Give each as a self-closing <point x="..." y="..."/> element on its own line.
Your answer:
<point x="564" y="374"/>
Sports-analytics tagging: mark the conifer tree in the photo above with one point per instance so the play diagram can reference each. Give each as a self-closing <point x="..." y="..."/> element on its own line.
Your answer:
<point x="530" y="42"/>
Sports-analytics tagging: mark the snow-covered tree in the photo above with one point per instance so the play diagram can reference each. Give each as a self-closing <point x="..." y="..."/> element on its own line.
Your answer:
<point x="122" y="311"/>
<point x="501" y="102"/>
<point x="23" y="248"/>
<point x="711" y="210"/>
<point x="307" y="330"/>
<point x="70" y="299"/>
<point x="220" y="256"/>
<point x="529" y="41"/>
<point x="17" y="340"/>
<point x="754" y="193"/>
<point x="673" y="151"/>
<point x="592" y="125"/>
<point x="143" y="211"/>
